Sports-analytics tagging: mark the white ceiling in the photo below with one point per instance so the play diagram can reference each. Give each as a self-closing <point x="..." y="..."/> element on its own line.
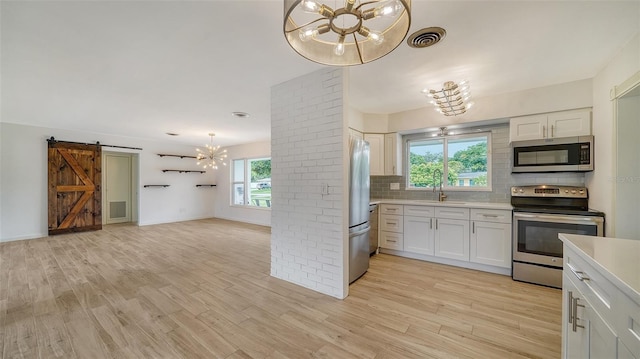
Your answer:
<point x="145" y="68"/>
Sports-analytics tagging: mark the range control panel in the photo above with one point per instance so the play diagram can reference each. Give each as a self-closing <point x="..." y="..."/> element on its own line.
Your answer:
<point x="549" y="191"/>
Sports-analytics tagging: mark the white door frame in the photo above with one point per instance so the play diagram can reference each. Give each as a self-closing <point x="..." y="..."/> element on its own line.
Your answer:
<point x="134" y="195"/>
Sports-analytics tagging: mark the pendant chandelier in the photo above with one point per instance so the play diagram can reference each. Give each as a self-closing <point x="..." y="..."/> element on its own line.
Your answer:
<point x="351" y="32"/>
<point x="452" y="99"/>
<point x="211" y="156"/>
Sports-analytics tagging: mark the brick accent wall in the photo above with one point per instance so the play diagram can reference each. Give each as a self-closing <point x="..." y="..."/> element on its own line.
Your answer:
<point x="309" y="211"/>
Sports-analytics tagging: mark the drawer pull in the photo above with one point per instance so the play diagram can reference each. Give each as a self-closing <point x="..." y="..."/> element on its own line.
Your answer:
<point x="579" y="274"/>
<point x="490" y="215"/>
<point x="391" y="240"/>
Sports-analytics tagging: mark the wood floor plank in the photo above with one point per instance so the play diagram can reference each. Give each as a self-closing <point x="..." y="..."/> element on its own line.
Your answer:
<point x="201" y="289"/>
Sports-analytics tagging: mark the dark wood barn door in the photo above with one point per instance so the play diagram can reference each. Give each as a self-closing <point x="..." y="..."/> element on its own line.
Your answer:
<point x="74" y="187"/>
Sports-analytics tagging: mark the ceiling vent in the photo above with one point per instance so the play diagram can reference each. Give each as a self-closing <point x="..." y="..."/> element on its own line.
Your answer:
<point x="426" y="37"/>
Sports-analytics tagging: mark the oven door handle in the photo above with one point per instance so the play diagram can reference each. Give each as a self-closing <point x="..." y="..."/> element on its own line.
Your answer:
<point x="560" y="218"/>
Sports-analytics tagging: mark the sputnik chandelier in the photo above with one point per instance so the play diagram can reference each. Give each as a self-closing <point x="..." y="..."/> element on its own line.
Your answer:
<point x="452" y="99"/>
<point x="211" y="156"/>
<point x="350" y="32"/>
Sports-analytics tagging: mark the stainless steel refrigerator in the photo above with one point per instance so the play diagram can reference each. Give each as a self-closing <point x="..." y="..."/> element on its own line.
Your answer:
<point x="359" y="225"/>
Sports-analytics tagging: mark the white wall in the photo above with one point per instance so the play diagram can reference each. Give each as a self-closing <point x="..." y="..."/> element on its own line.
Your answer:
<point x="566" y="96"/>
<point x="309" y="244"/>
<point x="23" y="180"/>
<point x="600" y="181"/>
<point x="222" y="205"/>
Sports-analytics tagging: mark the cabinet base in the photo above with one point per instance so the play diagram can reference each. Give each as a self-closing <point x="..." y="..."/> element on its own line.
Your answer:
<point x="536" y="274"/>
<point x="447" y="261"/>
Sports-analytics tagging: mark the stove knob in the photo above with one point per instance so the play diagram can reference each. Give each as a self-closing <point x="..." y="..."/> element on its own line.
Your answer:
<point x="515" y="190"/>
<point x="581" y="191"/>
<point x="566" y="191"/>
<point x="573" y="191"/>
<point x="521" y="190"/>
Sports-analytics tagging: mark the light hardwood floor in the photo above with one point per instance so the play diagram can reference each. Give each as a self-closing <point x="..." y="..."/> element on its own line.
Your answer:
<point x="201" y="289"/>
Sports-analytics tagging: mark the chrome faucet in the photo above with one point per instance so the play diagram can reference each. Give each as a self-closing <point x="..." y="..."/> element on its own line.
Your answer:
<point x="441" y="195"/>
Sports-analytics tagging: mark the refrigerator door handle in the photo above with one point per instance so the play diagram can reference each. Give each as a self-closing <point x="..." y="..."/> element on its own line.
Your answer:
<point x="363" y="231"/>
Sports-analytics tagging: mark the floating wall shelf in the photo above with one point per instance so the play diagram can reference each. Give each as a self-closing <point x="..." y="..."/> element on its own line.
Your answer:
<point x="181" y="156"/>
<point x="205" y="185"/>
<point x="184" y="171"/>
<point x="155" y="185"/>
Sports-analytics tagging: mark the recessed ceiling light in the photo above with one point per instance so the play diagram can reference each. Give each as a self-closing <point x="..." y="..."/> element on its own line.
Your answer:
<point x="240" y="114"/>
<point x="172" y="134"/>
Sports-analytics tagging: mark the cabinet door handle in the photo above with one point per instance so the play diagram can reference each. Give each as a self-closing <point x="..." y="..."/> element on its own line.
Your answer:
<point x="570" y="305"/>
<point x="551" y="130"/>
<point x="575" y="315"/>
<point x="436" y="223"/>
<point x="473" y="227"/>
<point x="544" y="131"/>
<point x="430" y="223"/>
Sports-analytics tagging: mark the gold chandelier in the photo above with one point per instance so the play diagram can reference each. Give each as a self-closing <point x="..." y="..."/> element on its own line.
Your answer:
<point x="452" y="99"/>
<point x="211" y="156"/>
<point x="356" y="33"/>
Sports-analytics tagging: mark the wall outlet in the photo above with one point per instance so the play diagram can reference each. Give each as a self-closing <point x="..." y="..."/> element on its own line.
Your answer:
<point x="394" y="186"/>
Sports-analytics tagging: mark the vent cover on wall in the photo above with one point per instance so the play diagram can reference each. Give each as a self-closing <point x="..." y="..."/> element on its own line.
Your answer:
<point x="117" y="209"/>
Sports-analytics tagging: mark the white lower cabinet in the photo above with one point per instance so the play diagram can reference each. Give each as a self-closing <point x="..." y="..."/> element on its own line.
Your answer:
<point x="452" y="239"/>
<point x="586" y="333"/>
<point x="575" y="329"/>
<point x="418" y="235"/>
<point x="597" y="316"/>
<point x="391" y="240"/>
<point x="490" y="241"/>
<point x="419" y="229"/>
<point x="391" y="227"/>
<point x="467" y="237"/>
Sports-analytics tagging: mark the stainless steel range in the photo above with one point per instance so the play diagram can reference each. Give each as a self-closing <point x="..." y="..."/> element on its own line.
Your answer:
<point x="540" y="213"/>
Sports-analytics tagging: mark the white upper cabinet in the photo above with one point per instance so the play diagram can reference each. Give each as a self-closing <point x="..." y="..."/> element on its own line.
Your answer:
<point x="551" y="125"/>
<point x="385" y="154"/>
<point x="527" y="128"/>
<point x="376" y="153"/>
<point x="392" y="154"/>
<point x="569" y="124"/>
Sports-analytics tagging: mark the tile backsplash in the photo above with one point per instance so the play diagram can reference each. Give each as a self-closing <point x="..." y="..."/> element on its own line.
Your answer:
<point x="501" y="178"/>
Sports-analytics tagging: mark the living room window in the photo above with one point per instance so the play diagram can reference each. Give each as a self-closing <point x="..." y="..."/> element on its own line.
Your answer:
<point x="251" y="182"/>
<point x="463" y="160"/>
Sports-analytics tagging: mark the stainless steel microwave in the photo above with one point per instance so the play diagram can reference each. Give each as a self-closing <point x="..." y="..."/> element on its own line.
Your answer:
<point x="568" y="154"/>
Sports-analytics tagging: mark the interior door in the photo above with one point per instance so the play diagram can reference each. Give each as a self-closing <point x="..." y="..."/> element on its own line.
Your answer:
<point x="74" y="187"/>
<point x="118" y="188"/>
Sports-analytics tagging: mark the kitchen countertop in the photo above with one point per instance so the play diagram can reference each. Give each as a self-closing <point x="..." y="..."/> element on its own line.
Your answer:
<point x="483" y="205"/>
<point x="616" y="259"/>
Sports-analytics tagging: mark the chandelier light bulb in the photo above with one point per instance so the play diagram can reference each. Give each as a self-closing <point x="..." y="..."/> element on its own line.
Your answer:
<point x="308" y="34"/>
<point x="310" y="6"/>
<point x="388" y="9"/>
<point x="339" y="49"/>
<point x="376" y="37"/>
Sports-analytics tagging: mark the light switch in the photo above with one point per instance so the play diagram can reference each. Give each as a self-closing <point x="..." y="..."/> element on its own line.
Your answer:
<point x="394" y="186"/>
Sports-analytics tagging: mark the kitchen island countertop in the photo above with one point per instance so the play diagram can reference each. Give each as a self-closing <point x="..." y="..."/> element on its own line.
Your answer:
<point x="616" y="259"/>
